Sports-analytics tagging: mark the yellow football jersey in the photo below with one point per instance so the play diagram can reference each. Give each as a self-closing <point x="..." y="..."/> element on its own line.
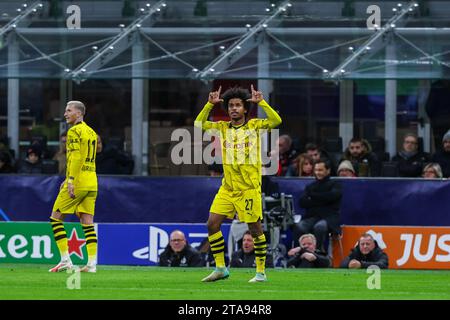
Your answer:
<point x="241" y="147"/>
<point x="81" y="152"/>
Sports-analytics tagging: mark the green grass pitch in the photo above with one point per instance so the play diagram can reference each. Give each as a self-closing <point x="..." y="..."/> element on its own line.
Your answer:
<point x="25" y="281"/>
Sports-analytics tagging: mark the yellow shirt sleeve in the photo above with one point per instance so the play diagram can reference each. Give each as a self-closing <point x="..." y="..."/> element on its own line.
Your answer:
<point x="273" y="119"/>
<point x="202" y="119"/>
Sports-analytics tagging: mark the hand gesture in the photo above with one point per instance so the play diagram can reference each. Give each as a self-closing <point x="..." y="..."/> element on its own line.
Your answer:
<point x="214" y="96"/>
<point x="308" y="256"/>
<point x="257" y="96"/>
<point x="293" y="251"/>
<point x="354" y="264"/>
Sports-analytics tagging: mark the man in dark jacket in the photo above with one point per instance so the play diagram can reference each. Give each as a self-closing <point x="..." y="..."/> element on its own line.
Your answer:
<point x="307" y="255"/>
<point x="316" y="153"/>
<point x="179" y="253"/>
<point x="364" y="161"/>
<point x="245" y="257"/>
<point x="443" y="156"/>
<point x="322" y="201"/>
<point x="410" y="160"/>
<point x="367" y="253"/>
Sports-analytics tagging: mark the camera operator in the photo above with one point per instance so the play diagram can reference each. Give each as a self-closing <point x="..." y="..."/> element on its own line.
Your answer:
<point x="307" y="255"/>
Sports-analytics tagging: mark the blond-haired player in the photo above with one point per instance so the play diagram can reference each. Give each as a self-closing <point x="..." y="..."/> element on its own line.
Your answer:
<point x="78" y="192"/>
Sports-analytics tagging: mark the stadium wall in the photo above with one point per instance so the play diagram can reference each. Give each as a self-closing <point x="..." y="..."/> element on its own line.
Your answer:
<point x="402" y="202"/>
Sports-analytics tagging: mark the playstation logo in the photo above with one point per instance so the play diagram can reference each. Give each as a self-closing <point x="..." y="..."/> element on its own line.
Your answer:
<point x="158" y="239"/>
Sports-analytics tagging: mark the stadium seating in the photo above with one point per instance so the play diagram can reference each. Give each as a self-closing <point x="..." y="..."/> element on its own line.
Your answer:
<point x="160" y="151"/>
<point x="378" y="147"/>
<point x="389" y="169"/>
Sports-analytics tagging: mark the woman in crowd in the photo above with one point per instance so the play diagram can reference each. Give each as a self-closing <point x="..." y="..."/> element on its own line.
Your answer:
<point x="432" y="171"/>
<point x="302" y="166"/>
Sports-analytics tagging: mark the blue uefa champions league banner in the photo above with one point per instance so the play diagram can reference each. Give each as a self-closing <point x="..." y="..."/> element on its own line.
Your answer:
<point x="141" y="243"/>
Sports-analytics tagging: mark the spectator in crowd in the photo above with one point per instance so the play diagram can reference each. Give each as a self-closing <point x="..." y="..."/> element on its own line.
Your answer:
<point x="365" y="254"/>
<point x="305" y="166"/>
<point x="366" y="146"/>
<point x="245" y="257"/>
<point x="40" y="142"/>
<point x="111" y="160"/>
<point x="321" y="200"/>
<point x="346" y="169"/>
<point x="302" y="166"/>
<point x="286" y="154"/>
<point x="410" y="161"/>
<point x="61" y="155"/>
<point x="179" y="253"/>
<point x="313" y="151"/>
<point x="317" y="153"/>
<point x="32" y="163"/>
<point x="307" y="255"/>
<point x="432" y="171"/>
<point x="5" y="163"/>
<point x="443" y="156"/>
<point x="364" y="161"/>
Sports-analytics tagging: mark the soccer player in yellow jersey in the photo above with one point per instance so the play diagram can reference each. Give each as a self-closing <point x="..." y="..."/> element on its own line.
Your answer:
<point x="241" y="184"/>
<point x="78" y="192"/>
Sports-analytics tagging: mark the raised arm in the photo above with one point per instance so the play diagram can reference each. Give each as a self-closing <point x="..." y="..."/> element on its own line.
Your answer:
<point x="273" y="119"/>
<point x="202" y="119"/>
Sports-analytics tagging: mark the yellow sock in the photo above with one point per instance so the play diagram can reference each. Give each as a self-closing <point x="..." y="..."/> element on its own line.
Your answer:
<point x="91" y="242"/>
<point x="260" y="253"/>
<point x="217" y="244"/>
<point x="60" y="237"/>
